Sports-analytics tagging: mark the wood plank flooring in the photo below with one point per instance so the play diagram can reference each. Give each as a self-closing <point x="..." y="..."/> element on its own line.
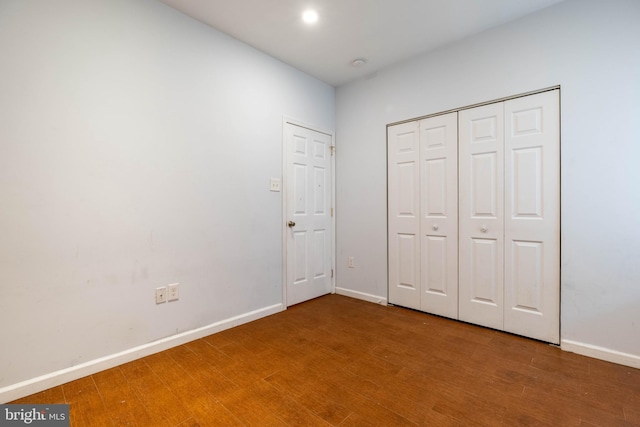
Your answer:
<point x="344" y="362"/>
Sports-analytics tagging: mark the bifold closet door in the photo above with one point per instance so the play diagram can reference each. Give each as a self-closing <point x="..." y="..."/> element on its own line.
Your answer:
<point x="423" y="217"/>
<point x="439" y="214"/>
<point x="474" y="215"/>
<point x="532" y="216"/>
<point x="509" y="186"/>
<point x="481" y="199"/>
<point x="403" y="174"/>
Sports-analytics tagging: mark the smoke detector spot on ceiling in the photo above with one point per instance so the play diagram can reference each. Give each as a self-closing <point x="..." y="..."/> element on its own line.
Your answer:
<point x="358" y="63"/>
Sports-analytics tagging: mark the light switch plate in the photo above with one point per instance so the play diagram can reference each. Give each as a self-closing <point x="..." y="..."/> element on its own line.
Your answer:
<point x="275" y="184"/>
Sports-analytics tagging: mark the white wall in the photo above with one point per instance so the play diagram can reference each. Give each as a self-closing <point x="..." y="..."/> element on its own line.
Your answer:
<point x="136" y="150"/>
<point x="589" y="47"/>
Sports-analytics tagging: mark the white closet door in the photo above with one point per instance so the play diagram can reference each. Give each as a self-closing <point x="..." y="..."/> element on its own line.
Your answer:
<point x="439" y="212"/>
<point x="481" y="192"/>
<point x="532" y="216"/>
<point x="404" y="214"/>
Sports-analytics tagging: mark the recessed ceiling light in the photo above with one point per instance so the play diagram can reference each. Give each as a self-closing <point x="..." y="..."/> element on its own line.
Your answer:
<point x="310" y="16"/>
<point x="359" y="62"/>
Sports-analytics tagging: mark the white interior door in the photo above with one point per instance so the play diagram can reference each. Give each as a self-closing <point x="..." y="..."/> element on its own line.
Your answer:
<point x="309" y="253"/>
<point x="532" y="216"/>
<point x="403" y="175"/>
<point x="481" y="198"/>
<point x="439" y="214"/>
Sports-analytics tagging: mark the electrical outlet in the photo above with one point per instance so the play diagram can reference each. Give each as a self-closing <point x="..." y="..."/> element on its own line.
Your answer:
<point x="275" y="184"/>
<point x="173" y="292"/>
<point x="161" y="295"/>
<point x="352" y="262"/>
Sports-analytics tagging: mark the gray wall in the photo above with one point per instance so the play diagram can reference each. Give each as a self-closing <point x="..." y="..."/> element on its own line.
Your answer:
<point x="136" y="150"/>
<point x="589" y="47"/>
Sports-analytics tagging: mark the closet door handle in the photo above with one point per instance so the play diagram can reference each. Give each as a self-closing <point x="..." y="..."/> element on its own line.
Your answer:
<point x="435" y="227"/>
<point x="291" y="224"/>
<point x="484" y="228"/>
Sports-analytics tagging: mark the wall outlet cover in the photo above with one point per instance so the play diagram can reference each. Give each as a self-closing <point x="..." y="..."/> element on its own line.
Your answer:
<point x="173" y="292"/>
<point x="161" y="295"/>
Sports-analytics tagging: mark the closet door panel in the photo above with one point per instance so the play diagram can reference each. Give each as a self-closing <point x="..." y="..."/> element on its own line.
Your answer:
<point x="481" y="199"/>
<point x="403" y="152"/>
<point x="439" y="214"/>
<point x="532" y="220"/>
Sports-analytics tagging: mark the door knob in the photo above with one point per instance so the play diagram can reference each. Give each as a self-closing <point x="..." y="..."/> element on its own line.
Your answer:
<point x="291" y="224"/>
<point x="435" y="227"/>
<point x="484" y="229"/>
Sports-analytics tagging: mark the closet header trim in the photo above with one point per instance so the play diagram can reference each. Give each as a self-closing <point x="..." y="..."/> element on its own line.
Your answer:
<point x="480" y="104"/>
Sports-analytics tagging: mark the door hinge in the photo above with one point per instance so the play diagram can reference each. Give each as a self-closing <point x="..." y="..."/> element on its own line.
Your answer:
<point x="332" y="148"/>
<point x="331" y="212"/>
<point x="332" y="273"/>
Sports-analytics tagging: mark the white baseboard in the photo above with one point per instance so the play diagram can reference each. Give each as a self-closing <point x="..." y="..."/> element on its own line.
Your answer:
<point x="601" y="353"/>
<point x="53" y="379"/>
<point x="361" y="295"/>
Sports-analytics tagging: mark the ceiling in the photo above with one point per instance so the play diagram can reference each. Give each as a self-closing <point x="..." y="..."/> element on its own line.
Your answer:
<point x="382" y="32"/>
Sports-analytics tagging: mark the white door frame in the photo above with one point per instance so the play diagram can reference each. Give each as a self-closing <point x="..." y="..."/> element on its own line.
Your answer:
<point x="286" y="120"/>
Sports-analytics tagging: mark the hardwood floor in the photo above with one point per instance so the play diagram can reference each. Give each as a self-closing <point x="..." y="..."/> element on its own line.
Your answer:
<point x="341" y="361"/>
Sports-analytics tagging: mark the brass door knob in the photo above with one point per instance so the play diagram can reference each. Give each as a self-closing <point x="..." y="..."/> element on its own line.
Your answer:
<point x="291" y="224"/>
